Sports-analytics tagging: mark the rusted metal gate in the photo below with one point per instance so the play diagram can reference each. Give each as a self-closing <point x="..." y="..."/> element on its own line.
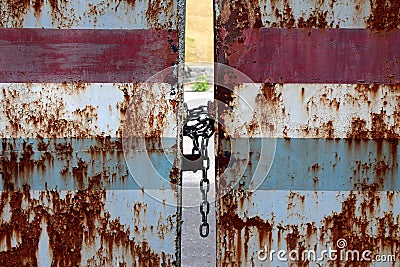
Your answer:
<point x="89" y="139"/>
<point x="322" y="168"/>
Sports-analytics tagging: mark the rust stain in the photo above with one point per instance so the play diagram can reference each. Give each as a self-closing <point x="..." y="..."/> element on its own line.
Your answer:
<point x="358" y="211"/>
<point x="48" y="122"/>
<point x="268" y="91"/>
<point x="239" y="15"/>
<point x="273" y="111"/>
<point x="354" y="228"/>
<point x="352" y="223"/>
<point x="79" y="172"/>
<point x="25" y="109"/>
<point x="358" y="129"/>
<point x="379" y="128"/>
<point x="37" y="6"/>
<point x="154" y="116"/>
<point x="63" y="12"/>
<point x="72" y="222"/>
<point x="174" y="174"/>
<point x="157" y="8"/>
<point x="236" y="16"/>
<point x="385" y="15"/>
<point x="88" y="114"/>
<point x="328" y="130"/>
<point x="163" y="228"/>
<point x="286" y="18"/>
<point x="317" y="20"/>
<point x="231" y="227"/>
<point x="257" y="18"/>
<point x="222" y="160"/>
<point x="268" y="104"/>
<point x="16" y="10"/>
<point x="35" y="158"/>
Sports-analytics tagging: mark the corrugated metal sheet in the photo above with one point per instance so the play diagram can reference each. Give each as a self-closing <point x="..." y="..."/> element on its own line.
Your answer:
<point x="314" y="122"/>
<point x="85" y="123"/>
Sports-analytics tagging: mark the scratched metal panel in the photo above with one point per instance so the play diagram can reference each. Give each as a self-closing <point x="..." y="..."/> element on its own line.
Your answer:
<point x="307" y="146"/>
<point x="90" y="55"/>
<point x="89" y="136"/>
<point x="80" y="14"/>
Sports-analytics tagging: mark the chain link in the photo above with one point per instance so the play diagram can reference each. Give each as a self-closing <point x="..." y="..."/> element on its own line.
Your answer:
<point x="205" y="188"/>
<point x="200" y="127"/>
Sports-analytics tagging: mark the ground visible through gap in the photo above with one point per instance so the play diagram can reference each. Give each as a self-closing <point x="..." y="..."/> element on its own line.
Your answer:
<point x="197" y="251"/>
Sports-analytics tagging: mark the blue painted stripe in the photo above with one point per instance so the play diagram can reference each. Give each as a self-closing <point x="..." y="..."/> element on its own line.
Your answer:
<point x="82" y="163"/>
<point x="319" y="164"/>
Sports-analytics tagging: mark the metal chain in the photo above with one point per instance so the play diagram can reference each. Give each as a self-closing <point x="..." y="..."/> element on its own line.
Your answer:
<point x="200" y="127"/>
<point x="204" y="189"/>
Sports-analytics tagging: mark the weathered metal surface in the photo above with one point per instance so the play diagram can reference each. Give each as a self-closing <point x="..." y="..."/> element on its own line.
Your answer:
<point x="303" y="221"/>
<point x="311" y="42"/>
<point x="101" y="55"/>
<point x="52" y="132"/>
<point x="316" y="56"/>
<point x="108" y="14"/>
<point x="317" y="111"/>
<point x="313" y="164"/>
<point x="86" y="228"/>
<point x="371" y="14"/>
<point x="83" y="128"/>
<point x="334" y="171"/>
<point x="73" y="142"/>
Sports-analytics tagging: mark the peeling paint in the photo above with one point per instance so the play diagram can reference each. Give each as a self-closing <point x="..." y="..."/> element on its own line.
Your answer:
<point x="75" y="85"/>
<point x="355" y="216"/>
<point x="335" y="121"/>
<point x="89" y="14"/>
<point x="385" y="15"/>
<point x="69" y="225"/>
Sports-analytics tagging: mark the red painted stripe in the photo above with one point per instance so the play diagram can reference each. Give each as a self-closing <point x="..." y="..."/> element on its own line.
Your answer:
<point x="315" y="56"/>
<point x="52" y="55"/>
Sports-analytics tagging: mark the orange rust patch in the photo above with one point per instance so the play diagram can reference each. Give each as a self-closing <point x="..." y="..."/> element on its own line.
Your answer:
<point x="358" y="129"/>
<point x="231" y="227"/>
<point x="379" y="128"/>
<point x="77" y="219"/>
<point x="156" y="8"/>
<point x="354" y="229"/>
<point x="352" y="223"/>
<point x="385" y="15"/>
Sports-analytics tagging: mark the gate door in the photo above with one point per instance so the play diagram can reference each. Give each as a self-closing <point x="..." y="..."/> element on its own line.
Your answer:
<point x="308" y="151"/>
<point x="89" y="137"/>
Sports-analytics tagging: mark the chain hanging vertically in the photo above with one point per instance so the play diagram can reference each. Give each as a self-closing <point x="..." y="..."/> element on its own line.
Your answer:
<point x="200" y="127"/>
